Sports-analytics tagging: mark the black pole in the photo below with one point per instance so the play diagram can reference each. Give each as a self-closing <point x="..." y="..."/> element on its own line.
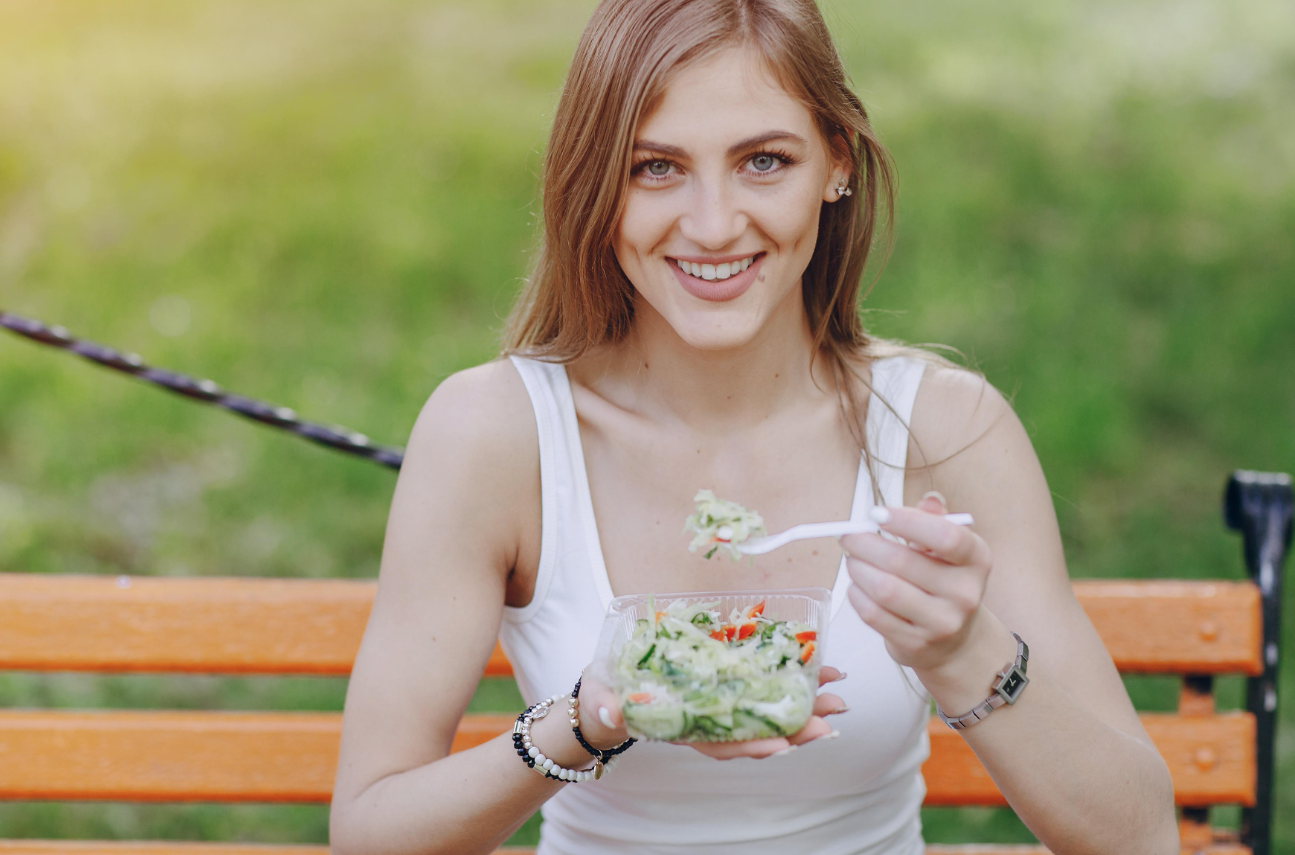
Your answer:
<point x="1259" y="505"/>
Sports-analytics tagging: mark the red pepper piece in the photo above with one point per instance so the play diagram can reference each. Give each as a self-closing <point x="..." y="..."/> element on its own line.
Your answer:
<point x="807" y="652"/>
<point x="639" y="698"/>
<point x="745" y="631"/>
<point x="718" y="634"/>
<point x="757" y="609"/>
<point x="807" y="635"/>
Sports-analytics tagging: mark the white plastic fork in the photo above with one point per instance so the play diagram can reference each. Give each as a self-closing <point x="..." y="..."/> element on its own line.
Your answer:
<point x="804" y="531"/>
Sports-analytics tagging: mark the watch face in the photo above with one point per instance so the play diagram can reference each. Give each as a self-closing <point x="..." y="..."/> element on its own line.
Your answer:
<point x="1010" y="686"/>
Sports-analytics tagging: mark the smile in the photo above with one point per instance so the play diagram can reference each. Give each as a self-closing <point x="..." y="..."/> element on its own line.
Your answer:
<point x="717" y="283"/>
<point x="710" y="272"/>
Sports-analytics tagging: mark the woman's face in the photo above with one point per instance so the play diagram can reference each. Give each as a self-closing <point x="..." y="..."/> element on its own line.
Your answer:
<point x="729" y="173"/>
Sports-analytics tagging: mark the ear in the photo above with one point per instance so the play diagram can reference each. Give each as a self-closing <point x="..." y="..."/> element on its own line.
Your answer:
<point x="841" y="173"/>
<point x="836" y="177"/>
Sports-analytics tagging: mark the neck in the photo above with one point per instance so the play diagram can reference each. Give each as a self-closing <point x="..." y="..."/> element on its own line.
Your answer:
<point x="657" y="373"/>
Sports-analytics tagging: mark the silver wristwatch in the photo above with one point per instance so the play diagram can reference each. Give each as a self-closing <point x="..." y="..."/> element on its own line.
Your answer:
<point x="1011" y="682"/>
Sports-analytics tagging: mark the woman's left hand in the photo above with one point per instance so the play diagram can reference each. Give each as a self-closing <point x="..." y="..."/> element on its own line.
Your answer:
<point x="923" y="598"/>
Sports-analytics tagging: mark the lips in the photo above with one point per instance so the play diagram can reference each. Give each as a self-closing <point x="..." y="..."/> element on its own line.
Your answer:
<point x="718" y="290"/>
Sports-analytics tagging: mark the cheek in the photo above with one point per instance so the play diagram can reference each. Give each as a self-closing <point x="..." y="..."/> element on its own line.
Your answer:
<point x="791" y="220"/>
<point x="644" y="223"/>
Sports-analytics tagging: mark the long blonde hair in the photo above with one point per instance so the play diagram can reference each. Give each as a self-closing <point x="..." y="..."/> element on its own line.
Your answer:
<point x="577" y="297"/>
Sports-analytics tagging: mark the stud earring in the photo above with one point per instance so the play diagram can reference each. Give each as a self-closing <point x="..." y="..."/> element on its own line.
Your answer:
<point x="843" y="188"/>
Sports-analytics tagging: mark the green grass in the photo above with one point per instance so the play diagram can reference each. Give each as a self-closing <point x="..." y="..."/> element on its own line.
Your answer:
<point x="330" y="205"/>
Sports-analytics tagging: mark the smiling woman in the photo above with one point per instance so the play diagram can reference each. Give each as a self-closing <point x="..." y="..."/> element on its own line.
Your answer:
<point x="712" y="190"/>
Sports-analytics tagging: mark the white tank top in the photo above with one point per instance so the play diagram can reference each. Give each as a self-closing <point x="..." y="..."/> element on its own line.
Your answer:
<point x="858" y="794"/>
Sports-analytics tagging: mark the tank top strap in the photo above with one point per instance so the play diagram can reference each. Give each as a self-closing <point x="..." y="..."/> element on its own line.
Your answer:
<point x="550" y="393"/>
<point x="890" y="408"/>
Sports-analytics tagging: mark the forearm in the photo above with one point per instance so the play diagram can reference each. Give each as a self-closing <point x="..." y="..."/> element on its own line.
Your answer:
<point x="466" y="803"/>
<point x="1082" y="786"/>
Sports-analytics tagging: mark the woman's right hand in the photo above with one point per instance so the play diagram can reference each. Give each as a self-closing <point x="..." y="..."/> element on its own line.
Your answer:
<point x="603" y="725"/>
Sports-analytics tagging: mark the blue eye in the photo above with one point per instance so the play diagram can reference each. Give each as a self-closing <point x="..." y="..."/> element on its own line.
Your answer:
<point x="763" y="162"/>
<point x="658" y="168"/>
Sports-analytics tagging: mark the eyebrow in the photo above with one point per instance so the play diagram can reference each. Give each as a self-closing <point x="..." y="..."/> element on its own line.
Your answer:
<point x="735" y="149"/>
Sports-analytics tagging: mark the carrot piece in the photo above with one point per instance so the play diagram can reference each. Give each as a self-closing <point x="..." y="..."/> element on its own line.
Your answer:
<point x="807" y="635"/>
<point x="718" y="634"/>
<point x="807" y="652"/>
<point x="745" y="631"/>
<point x="658" y="617"/>
<point x="757" y="609"/>
<point x="639" y="698"/>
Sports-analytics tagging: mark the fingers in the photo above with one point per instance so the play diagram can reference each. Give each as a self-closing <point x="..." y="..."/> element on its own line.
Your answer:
<point x="816" y="729"/>
<point x="953" y="544"/>
<point x="730" y="750"/>
<point x="887" y="623"/>
<point x="828" y="674"/>
<point x="829" y="704"/>
<point x="601" y="721"/>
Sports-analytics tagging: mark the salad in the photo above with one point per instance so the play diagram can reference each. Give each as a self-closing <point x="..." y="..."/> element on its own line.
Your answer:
<point x="720" y="525"/>
<point x="691" y="674"/>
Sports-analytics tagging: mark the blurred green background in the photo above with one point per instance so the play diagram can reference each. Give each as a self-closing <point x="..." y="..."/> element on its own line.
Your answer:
<point x="330" y="205"/>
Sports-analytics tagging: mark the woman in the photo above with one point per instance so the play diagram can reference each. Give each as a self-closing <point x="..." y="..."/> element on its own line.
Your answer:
<point x="711" y="193"/>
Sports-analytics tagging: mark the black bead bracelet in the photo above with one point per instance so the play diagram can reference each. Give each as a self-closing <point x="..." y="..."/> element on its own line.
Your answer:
<point x="573" y="715"/>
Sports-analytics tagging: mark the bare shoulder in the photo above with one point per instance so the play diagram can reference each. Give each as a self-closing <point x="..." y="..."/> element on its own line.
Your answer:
<point x="471" y="475"/>
<point x="955" y="411"/>
<point x="483" y="411"/>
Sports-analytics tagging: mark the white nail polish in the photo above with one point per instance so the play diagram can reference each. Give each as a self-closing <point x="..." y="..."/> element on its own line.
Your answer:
<point x="833" y="735"/>
<point x="787" y="750"/>
<point x="606" y="718"/>
<point x="880" y="516"/>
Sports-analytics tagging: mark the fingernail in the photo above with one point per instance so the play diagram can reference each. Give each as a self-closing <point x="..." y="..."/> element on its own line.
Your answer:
<point x="840" y="678"/>
<point x="880" y="516"/>
<point x="787" y="750"/>
<point x="606" y="718"/>
<point x="936" y="494"/>
<point x="833" y="735"/>
<point x="841" y="710"/>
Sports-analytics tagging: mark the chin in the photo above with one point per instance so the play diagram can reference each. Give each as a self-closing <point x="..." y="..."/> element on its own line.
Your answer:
<point x="716" y="331"/>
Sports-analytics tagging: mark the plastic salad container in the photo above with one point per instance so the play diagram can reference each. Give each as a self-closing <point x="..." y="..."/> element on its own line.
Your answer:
<point x="715" y="667"/>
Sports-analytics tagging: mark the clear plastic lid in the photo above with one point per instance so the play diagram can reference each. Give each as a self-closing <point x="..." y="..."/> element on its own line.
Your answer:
<point x="744" y="666"/>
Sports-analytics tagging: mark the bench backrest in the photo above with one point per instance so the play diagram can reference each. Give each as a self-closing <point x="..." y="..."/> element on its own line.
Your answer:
<point x="264" y="626"/>
<point x="275" y="626"/>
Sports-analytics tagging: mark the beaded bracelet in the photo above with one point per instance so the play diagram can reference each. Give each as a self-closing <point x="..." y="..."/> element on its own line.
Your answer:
<point x="573" y="716"/>
<point x="532" y="755"/>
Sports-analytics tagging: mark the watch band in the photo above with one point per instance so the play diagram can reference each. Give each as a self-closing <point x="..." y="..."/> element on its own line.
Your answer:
<point x="1006" y="689"/>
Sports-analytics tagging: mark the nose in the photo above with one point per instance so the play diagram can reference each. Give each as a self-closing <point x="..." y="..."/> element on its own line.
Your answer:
<point x="713" y="220"/>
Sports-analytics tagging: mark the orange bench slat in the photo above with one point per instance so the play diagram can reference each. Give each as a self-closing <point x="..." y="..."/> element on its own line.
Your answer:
<point x="1179" y="627"/>
<point x="291" y="757"/>
<point x="1211" y="760"/>
<point x="307" y="626"/>
<point x="204" y="625"/>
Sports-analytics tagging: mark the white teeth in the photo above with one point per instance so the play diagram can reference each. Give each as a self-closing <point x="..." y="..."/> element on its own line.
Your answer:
<point x="711" y="272"/>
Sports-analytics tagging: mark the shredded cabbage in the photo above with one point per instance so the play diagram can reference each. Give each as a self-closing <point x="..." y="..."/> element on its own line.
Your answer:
<point x="721" y="525"/>
<point x="688" y="675"/>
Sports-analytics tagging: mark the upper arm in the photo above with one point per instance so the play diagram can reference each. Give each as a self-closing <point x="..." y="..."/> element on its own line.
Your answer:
<point x="981" y="459"/>
<point x="468" y="486"/>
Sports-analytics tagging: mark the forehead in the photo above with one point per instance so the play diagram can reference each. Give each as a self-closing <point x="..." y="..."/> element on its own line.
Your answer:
<point x="731" y="95"/>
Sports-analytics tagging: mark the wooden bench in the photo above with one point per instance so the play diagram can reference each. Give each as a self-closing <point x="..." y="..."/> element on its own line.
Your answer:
<point x="269" y="626"/>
